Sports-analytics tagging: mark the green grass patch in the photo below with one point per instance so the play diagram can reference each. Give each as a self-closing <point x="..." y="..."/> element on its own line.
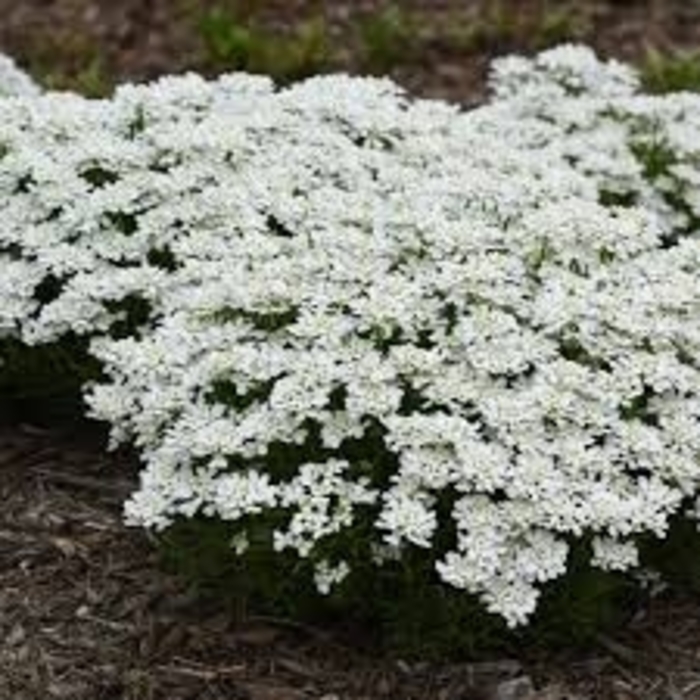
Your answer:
<point x="233" y="43"/>
<point x="663" y="73"/>
<point x="387" y="37"/>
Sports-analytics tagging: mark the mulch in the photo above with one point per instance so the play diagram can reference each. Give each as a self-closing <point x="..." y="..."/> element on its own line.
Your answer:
<point x="88" y="613"/>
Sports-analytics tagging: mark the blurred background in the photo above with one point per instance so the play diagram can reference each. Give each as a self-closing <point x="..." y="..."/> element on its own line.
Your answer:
<point x="438" y="48"/>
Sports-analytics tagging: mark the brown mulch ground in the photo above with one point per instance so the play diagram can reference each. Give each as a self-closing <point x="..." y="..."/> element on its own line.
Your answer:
<point x="87" y="614"/>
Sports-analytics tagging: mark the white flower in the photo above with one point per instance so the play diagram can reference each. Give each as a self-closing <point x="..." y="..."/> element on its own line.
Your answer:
<point x="327" y="575"/>
<point x="240" y="543"/>
<point x="613" y="555"/>
<point x="14" y="81"/>
<point x="499" y="305"/>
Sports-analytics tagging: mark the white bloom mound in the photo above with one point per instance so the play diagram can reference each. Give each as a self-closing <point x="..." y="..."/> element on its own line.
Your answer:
<point x="504" y="303"/>
<point x="14" y="81"/>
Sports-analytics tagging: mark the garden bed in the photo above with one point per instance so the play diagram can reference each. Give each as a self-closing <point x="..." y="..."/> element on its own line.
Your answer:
<point x="88" y="609"/>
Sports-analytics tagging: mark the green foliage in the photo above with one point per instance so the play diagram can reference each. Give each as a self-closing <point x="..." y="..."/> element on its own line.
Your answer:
<point x="655" y="156"/>
<point x="227" y="42"/>
<point x="234" y="44"/>
<point x="91" y="81"/>
<point x="399" y="608"/>
<point x="499" y="26"/>
<point x="560" y="24"/>
<point x="584" y="603"/>
<point x="43" y="383"/>
<point x="73" y="61"/>
<point x="677" y="556"/>
<point x="131" y="314"/>
<point x="663" y="73"/>
<point x="496" y="27"/>
<point x="201" y="551"/>
<point x="609" y="198"/>
<point x="387" y="37"/>
<point x="307" y="52"/>
<point x="403" y="608"/>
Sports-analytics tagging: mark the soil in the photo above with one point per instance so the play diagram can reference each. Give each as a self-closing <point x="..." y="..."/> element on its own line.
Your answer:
<point x="86" y="610"/>
<point x="87" y="613"/>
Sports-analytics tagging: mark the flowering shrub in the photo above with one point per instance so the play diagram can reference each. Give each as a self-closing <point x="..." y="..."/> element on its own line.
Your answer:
<point x="14" y="81"/>
<point x="375" y="324"/>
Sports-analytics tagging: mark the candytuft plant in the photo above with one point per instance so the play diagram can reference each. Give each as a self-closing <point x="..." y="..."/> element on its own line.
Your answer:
<point x="14" y="81"/>
<point x="361" y="333"/>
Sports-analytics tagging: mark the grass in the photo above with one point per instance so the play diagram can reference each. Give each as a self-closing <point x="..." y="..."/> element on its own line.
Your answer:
<point x="70" y="61"/>
<point x="233" y="43"/>
<point x="671" y="72"/>
<point x="561" y="24"/>
<point x="497" y="27"/>
<point x="387" y="38"/>
<point x="92" y="80"/>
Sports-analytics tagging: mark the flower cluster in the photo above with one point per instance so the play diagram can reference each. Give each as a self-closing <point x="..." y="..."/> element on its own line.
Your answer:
<point x="14" y="81"/>
<point x="359" y="313"/>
